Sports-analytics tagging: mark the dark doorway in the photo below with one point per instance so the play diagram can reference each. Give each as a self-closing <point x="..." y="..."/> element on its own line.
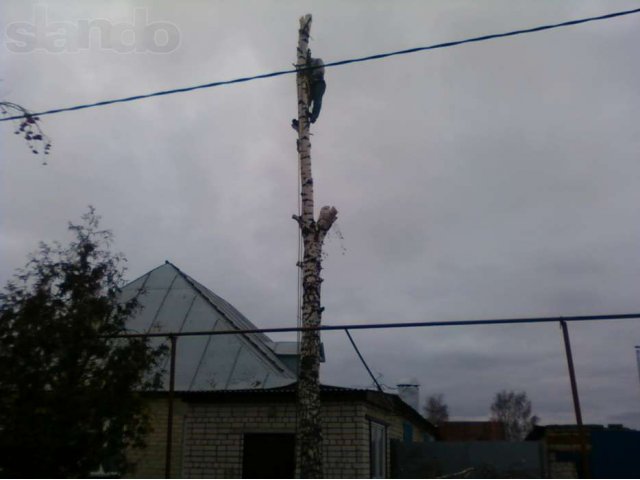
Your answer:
<point x="269" y="455"/>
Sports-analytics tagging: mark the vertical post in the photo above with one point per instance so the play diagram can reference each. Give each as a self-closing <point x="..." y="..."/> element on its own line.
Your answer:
<point x="309" y="433"/>
<point x="638" y="359"/>
<point x="172" y="382"/>
<point x="576" y="400"/>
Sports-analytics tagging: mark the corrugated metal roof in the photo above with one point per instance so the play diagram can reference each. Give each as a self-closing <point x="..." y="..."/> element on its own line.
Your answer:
<point x="172" y="301"/>
<point x="385" y="400"/>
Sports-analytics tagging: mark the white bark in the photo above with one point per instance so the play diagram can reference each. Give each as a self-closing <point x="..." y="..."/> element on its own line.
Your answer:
<point x="313" y="234"/>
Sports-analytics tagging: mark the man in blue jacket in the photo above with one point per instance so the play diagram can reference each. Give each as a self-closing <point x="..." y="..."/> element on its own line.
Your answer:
<point x="317" y="89"/>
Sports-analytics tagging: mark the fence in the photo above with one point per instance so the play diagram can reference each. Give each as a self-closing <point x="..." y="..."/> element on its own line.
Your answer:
<point x="562" y="321"/>
<point x="467" y="460"/>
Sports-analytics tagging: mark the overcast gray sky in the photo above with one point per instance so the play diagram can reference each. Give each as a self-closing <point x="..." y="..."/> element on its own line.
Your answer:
<point x="489" y="180"/>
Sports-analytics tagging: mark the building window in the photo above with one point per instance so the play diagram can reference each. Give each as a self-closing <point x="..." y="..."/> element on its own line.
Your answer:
<point x="407" y="432"/>
<point x="378" y="449"/>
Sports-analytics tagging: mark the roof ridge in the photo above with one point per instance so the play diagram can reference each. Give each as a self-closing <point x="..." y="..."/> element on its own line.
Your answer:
<point x="146" y="274"/>
<point x="256" y="340"/>
<point x="199" y="287"/>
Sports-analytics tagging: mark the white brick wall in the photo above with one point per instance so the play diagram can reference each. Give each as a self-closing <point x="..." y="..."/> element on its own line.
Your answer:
<point x="208" y="437"/>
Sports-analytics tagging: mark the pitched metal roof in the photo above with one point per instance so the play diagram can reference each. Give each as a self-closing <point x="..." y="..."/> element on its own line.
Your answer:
<point x="172" y="301"/>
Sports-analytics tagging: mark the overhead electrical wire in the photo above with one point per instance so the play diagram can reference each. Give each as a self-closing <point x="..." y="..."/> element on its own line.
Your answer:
<point x="327" y="65"/>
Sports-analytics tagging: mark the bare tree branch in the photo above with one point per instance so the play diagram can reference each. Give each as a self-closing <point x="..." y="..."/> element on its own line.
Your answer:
<point x="28" y="126"/>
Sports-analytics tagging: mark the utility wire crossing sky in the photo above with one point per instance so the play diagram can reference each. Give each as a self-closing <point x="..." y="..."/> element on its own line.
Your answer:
<point x="331" y="64"/>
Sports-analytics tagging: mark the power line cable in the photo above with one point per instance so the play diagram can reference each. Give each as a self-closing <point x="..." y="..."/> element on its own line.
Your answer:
<point x="332" y="64"/>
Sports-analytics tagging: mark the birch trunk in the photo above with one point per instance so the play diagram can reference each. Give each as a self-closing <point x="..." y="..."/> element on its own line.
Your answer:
<point x="309" y="438"/>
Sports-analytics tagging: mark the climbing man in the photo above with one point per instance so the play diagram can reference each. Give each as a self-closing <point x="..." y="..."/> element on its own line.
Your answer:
<point x="317" y="88"/>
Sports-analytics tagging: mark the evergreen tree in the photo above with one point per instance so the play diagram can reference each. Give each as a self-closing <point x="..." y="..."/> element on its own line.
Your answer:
<point x="70" y="396"/>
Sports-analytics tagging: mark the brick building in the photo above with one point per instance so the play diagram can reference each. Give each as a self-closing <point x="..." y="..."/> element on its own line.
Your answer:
<point x="235" y="401"/>
<point x="251" y="433"/>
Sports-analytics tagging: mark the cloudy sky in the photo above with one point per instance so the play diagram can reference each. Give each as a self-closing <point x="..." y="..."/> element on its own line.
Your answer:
<point x="490" y="180"/>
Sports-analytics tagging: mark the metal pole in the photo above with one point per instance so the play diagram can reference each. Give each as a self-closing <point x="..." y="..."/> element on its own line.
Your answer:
<point x="638" y="359"/>
<point x="172" y="381"/>
<point x="376" y="326"/>
<point x="576" y="400"/>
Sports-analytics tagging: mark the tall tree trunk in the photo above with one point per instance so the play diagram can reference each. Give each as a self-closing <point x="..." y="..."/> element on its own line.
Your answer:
<point x="313" y="234"/>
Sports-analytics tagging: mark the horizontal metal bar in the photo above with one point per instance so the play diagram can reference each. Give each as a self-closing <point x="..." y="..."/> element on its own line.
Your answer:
<point x="377" y="326"/>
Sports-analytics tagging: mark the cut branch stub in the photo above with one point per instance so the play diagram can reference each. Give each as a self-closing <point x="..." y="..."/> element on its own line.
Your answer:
<point x="327" y="217"/>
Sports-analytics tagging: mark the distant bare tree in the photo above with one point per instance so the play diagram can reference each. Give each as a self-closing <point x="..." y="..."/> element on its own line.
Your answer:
<point x="513" y="409"/>
<point x="436" y="410"/>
